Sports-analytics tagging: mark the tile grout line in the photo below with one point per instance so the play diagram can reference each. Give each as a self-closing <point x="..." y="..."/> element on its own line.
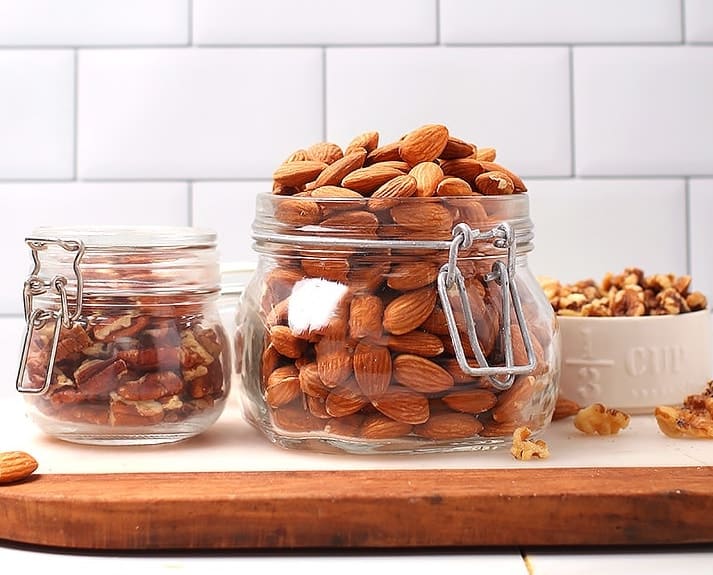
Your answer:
<point x="438" y="22"/>
<point x="688" y="242"/>
<point x="573" y="166"/>
<point x="190" y="22"/>
<point x="75" y="119"/>
<point x="683" y="21"/>
<point x="324" y="93"/>
<point x="189" y="198"/>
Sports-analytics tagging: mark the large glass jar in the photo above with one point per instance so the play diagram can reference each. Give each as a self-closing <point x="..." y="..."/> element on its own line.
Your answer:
<point x="124" y="342"/>
<point x="396" y="325"/>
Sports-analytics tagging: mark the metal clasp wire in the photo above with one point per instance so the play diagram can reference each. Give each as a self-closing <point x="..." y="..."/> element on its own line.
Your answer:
<point x="38" y="318"/>
<point x="449" y="274"/>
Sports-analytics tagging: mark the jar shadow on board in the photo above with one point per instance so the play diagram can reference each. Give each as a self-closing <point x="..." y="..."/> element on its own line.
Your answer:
<point x="372" y="337"/>
<point x="124" y="342"/>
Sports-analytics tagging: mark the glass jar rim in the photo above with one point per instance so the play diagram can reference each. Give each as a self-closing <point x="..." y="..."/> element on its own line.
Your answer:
<point x="138" y="236"/>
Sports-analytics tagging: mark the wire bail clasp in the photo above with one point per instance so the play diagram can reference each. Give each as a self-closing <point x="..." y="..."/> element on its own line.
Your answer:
<point x="502" y="237"/>
<point x="38" y="318"/>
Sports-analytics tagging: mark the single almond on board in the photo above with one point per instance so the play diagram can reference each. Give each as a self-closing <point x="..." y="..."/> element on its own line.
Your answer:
<point x="16" y="466"/>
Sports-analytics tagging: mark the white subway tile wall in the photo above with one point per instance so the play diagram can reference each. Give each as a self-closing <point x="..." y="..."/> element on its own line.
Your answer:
<point x="178" y="111"/>
<point x="93" y="22"/>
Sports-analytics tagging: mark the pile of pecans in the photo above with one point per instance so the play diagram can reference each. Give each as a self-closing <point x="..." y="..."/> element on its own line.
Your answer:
<point x="140" y="366"/>
<point x="381" y="365"/>
<point x="630" y="293"/>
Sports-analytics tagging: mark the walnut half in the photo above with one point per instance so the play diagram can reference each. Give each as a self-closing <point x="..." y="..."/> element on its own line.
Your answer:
<point x="596" y="419"/>
<point x="524" y="448"/>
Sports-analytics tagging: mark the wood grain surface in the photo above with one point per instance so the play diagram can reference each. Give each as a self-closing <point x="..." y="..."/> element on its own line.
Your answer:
<point x="361" y="509"/>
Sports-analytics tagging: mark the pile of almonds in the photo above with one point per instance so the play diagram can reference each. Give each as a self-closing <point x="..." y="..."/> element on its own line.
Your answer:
<point x="382" y="365"/>
<point x="426" y="162"/>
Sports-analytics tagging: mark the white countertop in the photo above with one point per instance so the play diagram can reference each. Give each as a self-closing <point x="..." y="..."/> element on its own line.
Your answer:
<point x="232" y="445"/>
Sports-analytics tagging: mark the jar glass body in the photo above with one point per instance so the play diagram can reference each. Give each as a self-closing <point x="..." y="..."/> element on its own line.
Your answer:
<point x="345" y="339"/>
<point x="145" y="358"/>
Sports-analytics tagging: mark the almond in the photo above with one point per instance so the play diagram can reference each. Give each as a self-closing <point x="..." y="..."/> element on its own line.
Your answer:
<point x="406" y="312"/>
<point x="427" y="175"/>
<point x="470" y="400"/>
<point x="16" y="466"/>
<point x="464" y="168"/>
<point x="310" y="382"/>
<point x="377" y="426"/>
<point x="415" y="342"/>
<point x="456" y="148"/>
<point x="298" y="173"/>
<point x="283" y="385"/>
<point x="354" y="223"/>
<point x="389" y="194"/>
<point x="452" y="186"/>
<point x="421" y="374"/>
<point x="368" y="278"/>
<point x="334" y="361"/>
<point x="451" y="365"/>
<point x="369" y="141"/>
<point x="296" y="420"/>
<point x="297" y="211"/>
<point x="513" y="403"/>
<point x="403" y="405"/>
<point x="565" y="408"/>
<point x="329" y="192"/>
<point x="286" y="343"/>
<point x="326" y="152"/>
<point x="335" y="269"/>
<point x="485" y="154"/>
<point x="365" y="316"/>
<point x="449" y="426"/>
<point x="270" y="361"/>
<point x="366" y="180"/>
<point x="412" y="275"/>
<point x="333" y="174"/>
<point x="372" y="368"/>
<point x="423" y="144"/>
<point x="494" y="184"/>
<point x="386" y="153"/>
<point x="428" y="216"/>
<point x="493" y="167"/>
<point x="347" y="425"/>
<point x="398" y="164"/>
<point x="345" y="399"/>
<point x="298" y="156"/>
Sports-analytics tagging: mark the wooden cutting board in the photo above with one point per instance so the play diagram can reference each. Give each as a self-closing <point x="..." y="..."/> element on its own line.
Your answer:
<point x="362" y="508"/>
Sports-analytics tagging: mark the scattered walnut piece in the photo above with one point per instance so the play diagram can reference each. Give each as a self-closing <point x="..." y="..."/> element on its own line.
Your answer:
<point x="565" y="408"/>
<point x="525" y="449"/>
<point x="631" y="293"/>
<point x="597" y="419"/>
<point x="693" y="420"/>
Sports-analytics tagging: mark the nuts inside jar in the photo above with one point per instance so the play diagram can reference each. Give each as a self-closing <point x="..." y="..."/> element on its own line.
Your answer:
<point x="129" y="368"/>
<point x="356" y="342"/>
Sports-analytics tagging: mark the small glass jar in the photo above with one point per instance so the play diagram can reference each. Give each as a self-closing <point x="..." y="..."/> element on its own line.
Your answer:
<point x="124" y="341"/>
<point x="396" y="325"/>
